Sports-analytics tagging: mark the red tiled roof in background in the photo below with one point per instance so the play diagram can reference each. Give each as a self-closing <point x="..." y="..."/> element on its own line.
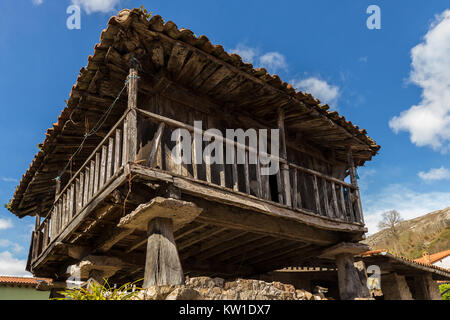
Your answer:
<point x="385" y="252"/>
<point x="432" y="258"/>
<point x="23" y="281"/>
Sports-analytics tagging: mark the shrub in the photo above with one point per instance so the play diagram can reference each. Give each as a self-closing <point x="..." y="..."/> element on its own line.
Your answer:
<point x="445" y="291"/>
<point x="96" y="291"/>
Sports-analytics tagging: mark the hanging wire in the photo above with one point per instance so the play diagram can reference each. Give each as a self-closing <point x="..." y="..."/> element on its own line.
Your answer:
<point x="96" y="127"/>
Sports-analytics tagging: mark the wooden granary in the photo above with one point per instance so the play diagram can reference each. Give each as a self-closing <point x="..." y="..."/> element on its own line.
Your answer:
<point x="109" y="197"/>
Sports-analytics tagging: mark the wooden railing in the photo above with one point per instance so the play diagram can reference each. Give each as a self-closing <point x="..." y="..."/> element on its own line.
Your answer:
<point x="106" y="160"/>
<point x="307" y="189"/>
<point x="294" y="186"/>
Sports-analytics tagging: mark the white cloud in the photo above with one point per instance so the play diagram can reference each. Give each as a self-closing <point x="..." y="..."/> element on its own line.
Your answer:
<point x="320" y="89"/>
<point x="441" y="173"/>
<point x="15" y="246"/>
<point x="273" y="61"/>
<point x="37" y="2"/>
<point x="91" y="6"/>
<point x="12" y="266"/>
<point x="429" y="121"/>
<point x="409" y="203"/>
<point x="247" y="54"/>
<point x="6" y="179"/>
<point x="5" y="224"/>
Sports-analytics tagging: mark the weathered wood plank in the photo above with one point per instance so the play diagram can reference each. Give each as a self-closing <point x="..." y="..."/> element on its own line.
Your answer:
<point x="91" y="179"/>
<point x="96" y="173"/>
<point x="109" y="161"/>
<point x="246" y="173"/>
<point x="103" y="166"/>
<point x="316" y="196"/>
<point x="294" y="190"/>
<point x="117" y="149"/>
<point x="335" y="201"/>
<point x="156" y="144"/>
<point x="259" y="186"/>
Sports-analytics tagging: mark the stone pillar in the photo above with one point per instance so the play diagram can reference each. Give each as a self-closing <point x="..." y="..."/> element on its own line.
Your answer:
<point x="426" y="288"/>
<point x="351" y="286"/>
<point x="352" y="282"/>
<point x="394" y="287"/>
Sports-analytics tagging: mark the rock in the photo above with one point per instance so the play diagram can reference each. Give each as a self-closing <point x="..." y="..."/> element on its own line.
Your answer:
<point x="184" y="294"/>
<point x="205" y="288"/>
<point x="308" y="295"/>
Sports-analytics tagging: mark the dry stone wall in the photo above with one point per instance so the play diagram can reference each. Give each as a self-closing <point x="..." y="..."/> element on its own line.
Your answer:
<point x="205" y="288"/>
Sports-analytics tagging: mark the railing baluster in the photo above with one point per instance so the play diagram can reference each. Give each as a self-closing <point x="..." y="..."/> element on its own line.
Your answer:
<point x="342" y="200"/>
<point x="82" y="190"/>
<point x="316" y="195"/>
<point x="246" y="173"/>
<point x="235" y="170"/>
<point x="125" y="143"/>
<point x="194" y="157"/>
<point x="350" y="205"/>
<point x="294" y="190"/>
<point x="103" y="162"/>
<point x="72" y="201"/>
<point x="46" y="235"/>
<point x="96" y="173"/>
<point x="91" y="179"/>
<point x="258" y="177"/>
<point x="86" y="186"/>
<point x="325" y="198"/>
<point x="109" y="162"/>
<point x="222" y="171"/>
<point x="335" y="202"/>
<point x="117" y="150"/>
<point x="208" y="167"/>
<point x="78" y="196"/>
<point x="280" y="187"/>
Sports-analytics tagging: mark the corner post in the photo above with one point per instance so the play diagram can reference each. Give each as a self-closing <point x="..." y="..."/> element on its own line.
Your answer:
<point x="354" y="183"/>
<point x="286" y="183"/>
<point x="132" y="114"/>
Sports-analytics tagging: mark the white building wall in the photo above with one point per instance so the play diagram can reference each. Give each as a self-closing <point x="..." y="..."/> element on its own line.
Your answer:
<point x="443" y="263"/>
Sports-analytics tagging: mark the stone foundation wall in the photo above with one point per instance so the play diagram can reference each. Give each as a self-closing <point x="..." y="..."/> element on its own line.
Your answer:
<point x="205" y="288"/>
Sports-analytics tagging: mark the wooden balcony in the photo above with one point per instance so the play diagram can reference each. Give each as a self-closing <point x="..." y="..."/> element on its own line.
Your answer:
<point x="296" y="193"/>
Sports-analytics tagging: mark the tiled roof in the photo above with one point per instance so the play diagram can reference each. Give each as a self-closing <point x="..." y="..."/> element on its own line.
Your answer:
<point x="432" y="258"/>
<point x="23" y="281"/>
<point x="410" y="262"/>
<point x="90" y="78"/>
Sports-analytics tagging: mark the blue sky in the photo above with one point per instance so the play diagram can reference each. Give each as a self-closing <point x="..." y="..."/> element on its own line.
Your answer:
<point x="394" y="82"/>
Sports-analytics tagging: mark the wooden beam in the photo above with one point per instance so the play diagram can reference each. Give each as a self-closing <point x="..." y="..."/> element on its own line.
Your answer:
<point x="241" y="219"/>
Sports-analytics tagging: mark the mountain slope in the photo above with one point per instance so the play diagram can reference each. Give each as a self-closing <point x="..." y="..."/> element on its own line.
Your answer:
<point x="430" y="232"/>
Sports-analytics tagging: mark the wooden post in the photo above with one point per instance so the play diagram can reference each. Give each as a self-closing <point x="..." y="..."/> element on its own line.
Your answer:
<point x="354" y="182"/>
<point x="131" y="119"/>
<point x="58" y="187"/>
<point x="286" y="183"/>
<point x="38" y="220"/>
<point x="162" y="266"/>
